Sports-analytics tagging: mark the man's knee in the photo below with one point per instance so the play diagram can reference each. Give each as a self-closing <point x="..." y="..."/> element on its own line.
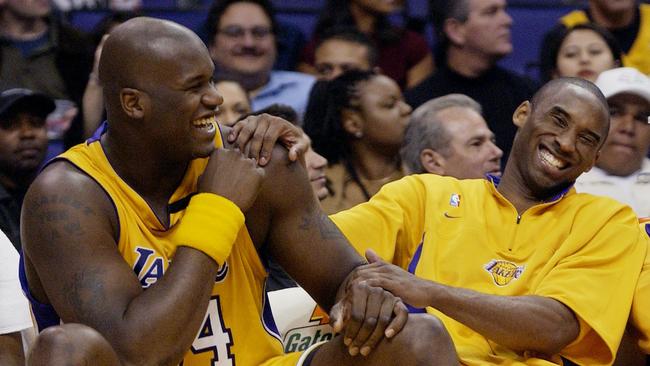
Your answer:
<point x="425" y="330"/>
<point x="423" y="341"/>
<point x="71" y="344"/>
<point x="426" y="338"/>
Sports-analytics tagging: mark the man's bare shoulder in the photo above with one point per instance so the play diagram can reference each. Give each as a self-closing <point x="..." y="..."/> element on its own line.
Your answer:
<point x="63" y="178"/>
<point x="61" y="187"/>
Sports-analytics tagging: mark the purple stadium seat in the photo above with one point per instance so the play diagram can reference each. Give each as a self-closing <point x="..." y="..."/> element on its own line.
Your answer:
<point x="528" y="28"/>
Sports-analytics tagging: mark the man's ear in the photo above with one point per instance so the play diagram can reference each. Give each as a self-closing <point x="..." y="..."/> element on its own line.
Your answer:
<point x="432" y="161"/>
<point x="521" y="114"/>
<point x="455" y="31"/>
<point x="352" y="123"/>
<point x="133" y="102"/>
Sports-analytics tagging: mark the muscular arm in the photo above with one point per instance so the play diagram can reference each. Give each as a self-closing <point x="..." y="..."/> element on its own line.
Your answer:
<point x="300" y="237"/>
<point x="69" y="239"/>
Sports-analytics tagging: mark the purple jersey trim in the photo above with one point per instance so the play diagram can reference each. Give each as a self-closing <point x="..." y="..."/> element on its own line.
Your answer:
<point x="268" y="321"/>
<point x="98" y="132"/>
<point x="496" y="180"/>
<point x="44" y="314"/>
<point x="413" y="264"/>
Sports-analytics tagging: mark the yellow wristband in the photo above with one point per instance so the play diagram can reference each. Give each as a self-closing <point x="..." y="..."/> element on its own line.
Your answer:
<point x="211" y="224"/>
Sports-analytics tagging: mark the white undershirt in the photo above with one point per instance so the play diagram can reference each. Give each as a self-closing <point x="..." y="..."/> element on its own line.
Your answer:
<point x="14" y="308"/>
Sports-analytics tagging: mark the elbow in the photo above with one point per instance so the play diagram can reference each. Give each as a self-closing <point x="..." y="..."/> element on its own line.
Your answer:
<point x="559" y="337"/>
<point x="562" y="328"/>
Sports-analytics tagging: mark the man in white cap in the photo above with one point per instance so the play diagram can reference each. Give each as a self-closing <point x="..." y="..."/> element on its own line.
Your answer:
<point x="623" y="169"/>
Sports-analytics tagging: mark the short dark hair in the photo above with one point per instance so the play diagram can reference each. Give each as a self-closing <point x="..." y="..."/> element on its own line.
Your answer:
<point x="554" y="39"/>
<point x="219" y="7"/>
<point x="579" y="82"/>
<point x="441" y="10"/>
<point x="277" y="110"/>
<point x="336" y="13"/>
<point x="352" y="35"/>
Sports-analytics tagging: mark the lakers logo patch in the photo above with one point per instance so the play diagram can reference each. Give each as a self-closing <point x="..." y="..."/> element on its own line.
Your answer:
<point x="503" y="271"/>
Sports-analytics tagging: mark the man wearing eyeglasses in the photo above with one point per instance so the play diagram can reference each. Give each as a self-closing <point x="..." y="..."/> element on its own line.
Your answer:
<point x="242" y="44"/>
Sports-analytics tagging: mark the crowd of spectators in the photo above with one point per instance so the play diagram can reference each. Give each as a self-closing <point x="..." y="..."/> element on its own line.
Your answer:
<point x="379" y="99"/>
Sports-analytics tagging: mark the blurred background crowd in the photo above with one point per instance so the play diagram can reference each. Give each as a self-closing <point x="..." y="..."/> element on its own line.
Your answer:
<point x="384" y="88"/>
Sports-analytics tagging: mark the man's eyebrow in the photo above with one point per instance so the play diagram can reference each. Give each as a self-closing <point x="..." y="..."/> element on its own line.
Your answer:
<point x="561" y="111"/>
<point x="595" y="135"/>
<point x="192" y="79"/>
<point x="564" y="114"/>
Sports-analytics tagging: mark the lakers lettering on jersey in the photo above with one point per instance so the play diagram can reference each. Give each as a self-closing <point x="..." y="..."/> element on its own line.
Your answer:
<point x="238" y="327"/>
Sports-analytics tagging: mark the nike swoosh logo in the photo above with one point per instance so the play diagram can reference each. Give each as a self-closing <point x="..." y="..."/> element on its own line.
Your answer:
<point x="447" y="215"/>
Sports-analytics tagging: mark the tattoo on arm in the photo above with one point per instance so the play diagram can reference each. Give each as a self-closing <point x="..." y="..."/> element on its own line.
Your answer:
<point x="60" y="219"/>
<point x="85" y="292"/>
<point x="60" y="215"/>
<point x="313" y="217"/>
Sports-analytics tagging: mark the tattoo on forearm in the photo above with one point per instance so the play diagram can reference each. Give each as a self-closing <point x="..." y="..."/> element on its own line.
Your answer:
<point x="314" y="218"/>
<point x="85" y="292"/>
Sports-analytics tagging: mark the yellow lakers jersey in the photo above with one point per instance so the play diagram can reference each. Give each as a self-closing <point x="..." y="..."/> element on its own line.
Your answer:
<point x="639" y="54"/>
<point x="237" y="330"/>
<point x="581" y="250"/>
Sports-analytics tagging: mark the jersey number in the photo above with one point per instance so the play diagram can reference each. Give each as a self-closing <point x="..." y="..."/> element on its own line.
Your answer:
<point x="214" y="336"/>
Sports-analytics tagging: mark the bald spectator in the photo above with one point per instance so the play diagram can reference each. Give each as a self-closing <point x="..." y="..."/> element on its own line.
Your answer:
<point x="627" y="20"/>
<point x="448" y="136"/>
<point x="474" y="36"/>
<point x="623" y="170"/>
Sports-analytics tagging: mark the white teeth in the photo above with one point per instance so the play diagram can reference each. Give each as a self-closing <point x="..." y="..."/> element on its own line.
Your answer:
<point x="551" y="160"/>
